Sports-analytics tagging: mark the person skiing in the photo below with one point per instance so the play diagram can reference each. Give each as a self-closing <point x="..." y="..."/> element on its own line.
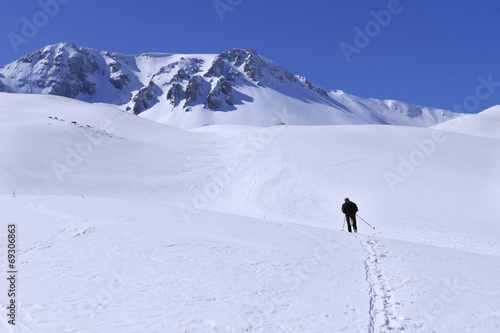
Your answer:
<point x="349" y="208"/>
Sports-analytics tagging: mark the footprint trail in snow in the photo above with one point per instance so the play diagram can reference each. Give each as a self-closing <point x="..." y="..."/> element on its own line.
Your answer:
<point x="383" y="317"/>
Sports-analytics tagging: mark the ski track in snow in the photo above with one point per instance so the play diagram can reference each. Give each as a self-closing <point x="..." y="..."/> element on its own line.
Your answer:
<point x="24" y="322"/>
<point x="8" y="328"/>
<point x="382" y="314"/>
<point x="72" y="226"/>
<point x="228" y="268"/>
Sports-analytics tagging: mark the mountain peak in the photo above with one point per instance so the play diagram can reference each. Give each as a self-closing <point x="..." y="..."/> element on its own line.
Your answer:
<point x="237" y="86"/>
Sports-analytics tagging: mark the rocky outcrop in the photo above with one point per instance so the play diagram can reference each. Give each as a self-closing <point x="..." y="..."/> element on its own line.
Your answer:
<point x="194" y="90"/>
<point x="217" y="67"/>
<point x="117" y="77"/>
<point x="225" y="63"/>
<point x="66" y="70"/>
<point x="175" y="94"/>
<point x="63" y="71"/>
<point x="221" y="91"/>
<point x="185" y="69"/>
<point x="214" y="100"/>
<point x="226" y="87"/>
<point x="179" y="83"/>
<point x="254" y="66"/>
<point x="145" y="98"/>
<point x="321" y="91"/>
<point x="3" y="87"/>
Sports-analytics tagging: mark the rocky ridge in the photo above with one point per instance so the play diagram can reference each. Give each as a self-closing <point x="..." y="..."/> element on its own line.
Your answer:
<point x="174" y="84"/>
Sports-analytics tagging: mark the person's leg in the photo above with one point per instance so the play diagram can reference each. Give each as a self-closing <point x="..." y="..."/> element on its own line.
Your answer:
<point x="348" y="223"/>
<point x="354" y="223"/>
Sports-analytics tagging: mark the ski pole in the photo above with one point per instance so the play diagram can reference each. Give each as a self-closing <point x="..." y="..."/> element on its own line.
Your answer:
<point x="365" y="222"/>
<point x="343" y="225"/>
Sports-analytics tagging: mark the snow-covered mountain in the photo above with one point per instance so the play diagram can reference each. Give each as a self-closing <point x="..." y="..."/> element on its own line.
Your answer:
<point x="234" y="87"/>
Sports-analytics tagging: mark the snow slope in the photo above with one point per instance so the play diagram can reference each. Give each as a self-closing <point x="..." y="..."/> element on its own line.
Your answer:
<point x="127" y="225"/>
<point x="485" y="123"/>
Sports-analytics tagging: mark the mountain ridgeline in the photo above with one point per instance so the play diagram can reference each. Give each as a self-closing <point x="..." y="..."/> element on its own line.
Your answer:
<point x="187" y="91"/>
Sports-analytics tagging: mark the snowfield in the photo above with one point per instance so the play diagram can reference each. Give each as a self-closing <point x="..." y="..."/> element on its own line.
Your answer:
<point x="128" y="225"/>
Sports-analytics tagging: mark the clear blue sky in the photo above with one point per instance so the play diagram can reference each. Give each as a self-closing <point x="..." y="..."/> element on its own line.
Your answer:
<point x="436" y="53"/>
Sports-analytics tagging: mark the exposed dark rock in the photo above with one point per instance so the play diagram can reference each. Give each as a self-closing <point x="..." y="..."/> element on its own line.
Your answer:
<point x="253" y="67"/>
<point x="66" y="70"/>
<point x="214" y="100"/>
<point x="175" y="94"/>
<point x="194" y="89"/>
<point x="88" y="88"/>
<point x="233" y="75"/>
<point x="321" y="91"/>
<point x="237" y="56"/>
<point x="251" y="62"/>
<point x="188" y="67"/>
<point x="220" y="92"/>
<point x="120" y="81"/>
<point x="145" y="98"/>
<point x="230" y="99"/>
<point x="3" y="88"/>
<point x="225" y="85"/>
<point x="217" y="67"/>
<point x="117" y="78"/>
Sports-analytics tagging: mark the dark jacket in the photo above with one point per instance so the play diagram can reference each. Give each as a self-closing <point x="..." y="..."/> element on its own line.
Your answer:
<point x="349" y="208"/>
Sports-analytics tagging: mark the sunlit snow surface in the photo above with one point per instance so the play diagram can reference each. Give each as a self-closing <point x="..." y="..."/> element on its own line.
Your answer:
<point x="127" y="225"/>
